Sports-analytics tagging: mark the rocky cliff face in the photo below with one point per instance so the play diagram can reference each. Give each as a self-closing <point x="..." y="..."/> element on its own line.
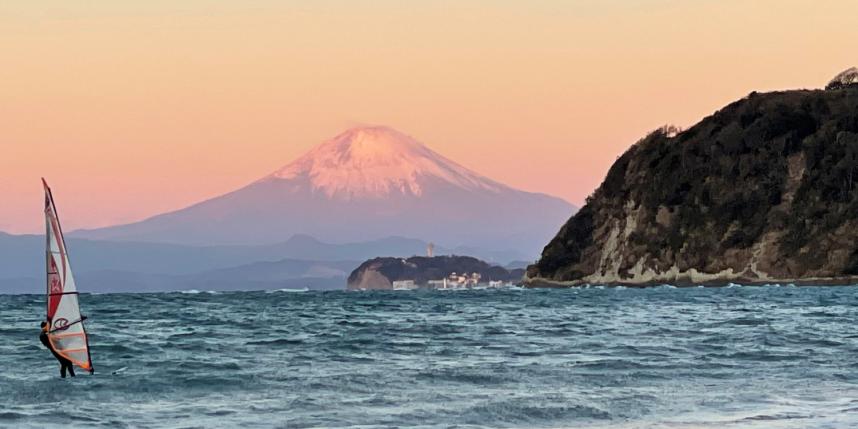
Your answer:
<point x="380" y="273"/>
<point x="764" y="190"/>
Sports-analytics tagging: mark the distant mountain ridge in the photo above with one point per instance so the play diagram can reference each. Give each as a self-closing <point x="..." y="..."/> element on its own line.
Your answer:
<point x="23" y="255"/>
<point x="268" y="275"/>
<point x="135" y="267"/>
<point x="364" y="184"/>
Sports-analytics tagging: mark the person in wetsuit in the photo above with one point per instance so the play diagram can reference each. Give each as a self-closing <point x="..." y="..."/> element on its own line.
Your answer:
<point x="65" y="364"/>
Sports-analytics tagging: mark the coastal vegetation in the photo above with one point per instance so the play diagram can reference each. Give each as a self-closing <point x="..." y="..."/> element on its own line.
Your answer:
<point x="764" y="189"/>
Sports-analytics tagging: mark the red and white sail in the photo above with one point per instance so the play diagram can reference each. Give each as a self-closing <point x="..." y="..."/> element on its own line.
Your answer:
<point x="66" y="331"/>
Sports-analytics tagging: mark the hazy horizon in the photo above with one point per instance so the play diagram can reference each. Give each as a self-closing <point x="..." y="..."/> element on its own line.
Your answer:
<point x="134" y="109"/>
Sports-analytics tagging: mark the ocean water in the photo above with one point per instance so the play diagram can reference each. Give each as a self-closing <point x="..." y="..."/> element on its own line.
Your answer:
<point x="739" y="357"/>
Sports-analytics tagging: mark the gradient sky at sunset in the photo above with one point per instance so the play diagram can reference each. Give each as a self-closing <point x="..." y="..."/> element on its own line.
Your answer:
<point x="130" y="109"/>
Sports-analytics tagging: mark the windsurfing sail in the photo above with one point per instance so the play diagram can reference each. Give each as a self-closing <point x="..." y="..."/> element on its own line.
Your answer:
<point x="65" y="323"/>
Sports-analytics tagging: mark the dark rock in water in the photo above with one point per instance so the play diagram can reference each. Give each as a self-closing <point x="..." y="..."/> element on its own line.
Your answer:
<point x="763" y="191"/>
<point x="380" y="273"/>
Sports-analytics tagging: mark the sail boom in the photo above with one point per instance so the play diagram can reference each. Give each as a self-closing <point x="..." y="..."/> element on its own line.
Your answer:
<point x="66" y="327"/>
<point x="63" y="293"/>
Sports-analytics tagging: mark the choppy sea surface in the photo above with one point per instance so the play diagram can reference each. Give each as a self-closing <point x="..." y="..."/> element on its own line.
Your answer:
<point x="739" y="357"/>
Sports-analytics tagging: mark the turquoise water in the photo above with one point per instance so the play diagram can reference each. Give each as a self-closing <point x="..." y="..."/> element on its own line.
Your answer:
<point x="769" y="357"/>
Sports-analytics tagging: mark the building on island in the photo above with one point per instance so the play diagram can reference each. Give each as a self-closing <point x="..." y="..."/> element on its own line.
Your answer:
<point x="404" y="285"/>
<point x="452" y="281"/>
<point x="464" y="279"/>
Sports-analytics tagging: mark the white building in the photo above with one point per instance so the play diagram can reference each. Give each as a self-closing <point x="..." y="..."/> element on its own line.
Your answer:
<point x="404" y="285"/>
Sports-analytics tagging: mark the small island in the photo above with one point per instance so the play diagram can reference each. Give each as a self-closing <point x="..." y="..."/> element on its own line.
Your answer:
<point x="425" y="272"/>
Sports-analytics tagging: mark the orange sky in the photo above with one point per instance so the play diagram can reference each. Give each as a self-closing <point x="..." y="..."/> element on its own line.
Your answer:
<point x="133" y="108"/>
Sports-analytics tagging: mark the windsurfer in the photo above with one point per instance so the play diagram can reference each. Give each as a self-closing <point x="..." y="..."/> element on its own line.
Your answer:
<point x="65" y="364"/>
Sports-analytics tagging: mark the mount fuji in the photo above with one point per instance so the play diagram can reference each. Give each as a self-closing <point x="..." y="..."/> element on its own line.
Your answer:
<point x="366" y="183"/>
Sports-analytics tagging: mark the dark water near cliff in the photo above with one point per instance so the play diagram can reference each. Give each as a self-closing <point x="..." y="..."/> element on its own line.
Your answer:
<point x="771" y="357"/>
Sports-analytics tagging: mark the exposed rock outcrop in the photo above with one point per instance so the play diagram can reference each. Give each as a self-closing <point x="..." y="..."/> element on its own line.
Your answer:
<point x="764" y="190"/>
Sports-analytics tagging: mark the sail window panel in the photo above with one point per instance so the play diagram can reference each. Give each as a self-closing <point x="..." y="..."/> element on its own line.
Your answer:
<point x="69" y="342"/>
<point x="78" y="357"/>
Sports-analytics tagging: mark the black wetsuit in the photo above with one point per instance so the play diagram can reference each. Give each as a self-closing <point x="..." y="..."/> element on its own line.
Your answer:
<point x="64" y="363"/>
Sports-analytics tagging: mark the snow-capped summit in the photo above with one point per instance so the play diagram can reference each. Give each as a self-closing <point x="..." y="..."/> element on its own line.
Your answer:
<point x="375" y="162"/>
<point x="364" y="184"/>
